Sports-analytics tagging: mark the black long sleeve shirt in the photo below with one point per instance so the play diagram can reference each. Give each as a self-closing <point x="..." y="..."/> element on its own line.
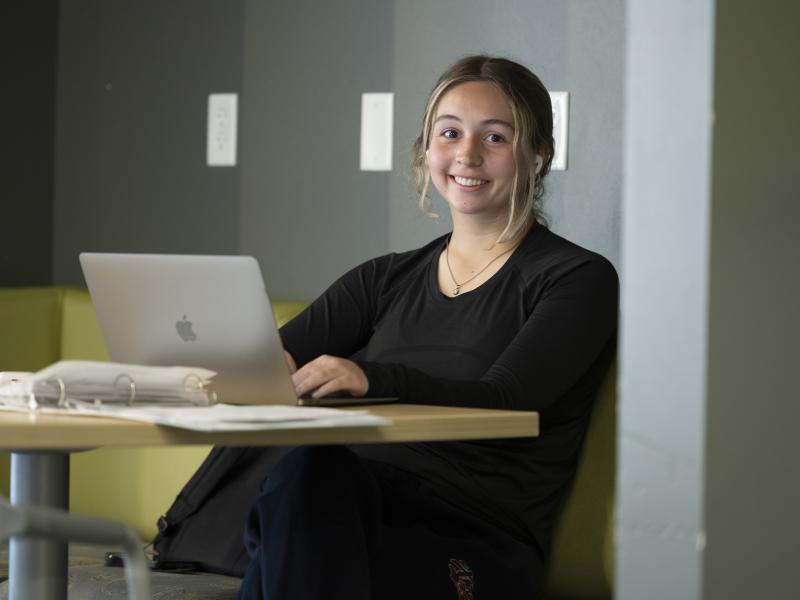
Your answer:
<point x="538" y="335"/>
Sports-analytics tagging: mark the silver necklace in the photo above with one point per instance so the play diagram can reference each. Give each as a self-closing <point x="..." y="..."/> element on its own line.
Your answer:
<point x="457" y="289"/>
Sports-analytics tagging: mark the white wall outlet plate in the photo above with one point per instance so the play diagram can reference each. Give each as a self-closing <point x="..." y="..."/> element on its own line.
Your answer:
<point x="560" y="102"/>
<point x="221" y="141"/>
<point x="377" y="115"/>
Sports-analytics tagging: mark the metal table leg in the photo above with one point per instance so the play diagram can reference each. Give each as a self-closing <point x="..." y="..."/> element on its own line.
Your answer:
<point x="37" y="567"/>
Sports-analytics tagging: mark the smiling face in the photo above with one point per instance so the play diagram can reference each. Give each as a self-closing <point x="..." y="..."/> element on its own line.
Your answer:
<point x="471" y="155"/>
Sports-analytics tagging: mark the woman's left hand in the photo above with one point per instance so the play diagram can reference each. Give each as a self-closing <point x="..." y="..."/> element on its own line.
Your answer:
<point x="326" y="375"/>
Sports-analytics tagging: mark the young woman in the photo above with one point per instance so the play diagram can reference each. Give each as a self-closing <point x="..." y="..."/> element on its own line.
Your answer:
<point x="500" y="313"/>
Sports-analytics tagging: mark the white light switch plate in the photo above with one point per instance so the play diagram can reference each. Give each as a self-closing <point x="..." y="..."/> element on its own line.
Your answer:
<point x="221" y="142"/>
<point x="560" y="102"/>
<point x="377" y="114"/>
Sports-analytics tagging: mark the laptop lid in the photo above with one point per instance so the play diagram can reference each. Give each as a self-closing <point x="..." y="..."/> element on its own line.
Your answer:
<point x="204" y="311"/>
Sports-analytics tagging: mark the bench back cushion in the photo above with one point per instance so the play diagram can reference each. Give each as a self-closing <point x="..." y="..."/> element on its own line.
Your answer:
<point x="582" y="556"/>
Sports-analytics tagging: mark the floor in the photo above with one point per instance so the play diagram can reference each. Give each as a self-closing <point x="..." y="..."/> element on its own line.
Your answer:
<point x="89" y="579"/>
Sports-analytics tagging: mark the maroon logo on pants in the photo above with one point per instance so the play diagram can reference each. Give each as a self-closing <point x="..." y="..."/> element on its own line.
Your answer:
<point x="463" y="578"/>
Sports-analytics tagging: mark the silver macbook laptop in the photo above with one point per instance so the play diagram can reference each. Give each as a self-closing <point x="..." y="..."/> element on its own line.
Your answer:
<point x="204" y="311"/>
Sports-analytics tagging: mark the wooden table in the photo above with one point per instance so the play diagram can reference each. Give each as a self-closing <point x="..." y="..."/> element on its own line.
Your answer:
<point x="40" y="445"/>
<point x="410" y="423"/>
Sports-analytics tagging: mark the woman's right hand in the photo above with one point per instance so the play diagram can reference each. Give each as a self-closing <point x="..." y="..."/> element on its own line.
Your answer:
<point x="326" y="375"/>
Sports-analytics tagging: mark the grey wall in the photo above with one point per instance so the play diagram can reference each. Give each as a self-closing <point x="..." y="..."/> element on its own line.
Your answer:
<point x="577" y="46"/>
<point x="133" y="81"/>
<point x="27" y="106"/>
<point x="752" y="487"/>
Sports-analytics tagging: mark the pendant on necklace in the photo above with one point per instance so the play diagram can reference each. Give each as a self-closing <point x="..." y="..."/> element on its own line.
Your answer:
<point x="457" y="291"/>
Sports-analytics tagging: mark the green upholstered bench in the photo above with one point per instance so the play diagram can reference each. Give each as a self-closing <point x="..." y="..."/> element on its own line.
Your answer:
<point x="39" y="326"/>
<point x="582" y="556"/>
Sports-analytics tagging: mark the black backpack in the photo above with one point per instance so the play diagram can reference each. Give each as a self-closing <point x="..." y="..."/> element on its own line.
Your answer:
<point x="203" y="529"/>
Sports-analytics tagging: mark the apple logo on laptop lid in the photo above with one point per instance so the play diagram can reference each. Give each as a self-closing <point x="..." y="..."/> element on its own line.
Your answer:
<point x="184" y="328"/>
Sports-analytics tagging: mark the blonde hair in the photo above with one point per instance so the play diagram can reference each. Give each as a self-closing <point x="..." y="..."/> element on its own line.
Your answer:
<point x="533" y="133"/>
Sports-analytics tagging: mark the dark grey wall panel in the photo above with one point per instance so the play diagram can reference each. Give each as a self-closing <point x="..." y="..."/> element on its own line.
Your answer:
<point x="308" y="212"/>
<point x="133" y="83"/>
<point x="27" y="106"/>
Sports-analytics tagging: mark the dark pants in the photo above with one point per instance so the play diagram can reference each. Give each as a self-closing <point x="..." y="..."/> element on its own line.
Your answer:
<point x="330" y="525"/>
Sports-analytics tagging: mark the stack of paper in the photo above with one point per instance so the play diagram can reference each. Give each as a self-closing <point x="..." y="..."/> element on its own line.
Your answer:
<point x="227" y="417"/>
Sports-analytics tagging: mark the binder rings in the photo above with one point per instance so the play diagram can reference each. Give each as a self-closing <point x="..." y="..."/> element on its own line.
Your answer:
<point x="71" y="383"/>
